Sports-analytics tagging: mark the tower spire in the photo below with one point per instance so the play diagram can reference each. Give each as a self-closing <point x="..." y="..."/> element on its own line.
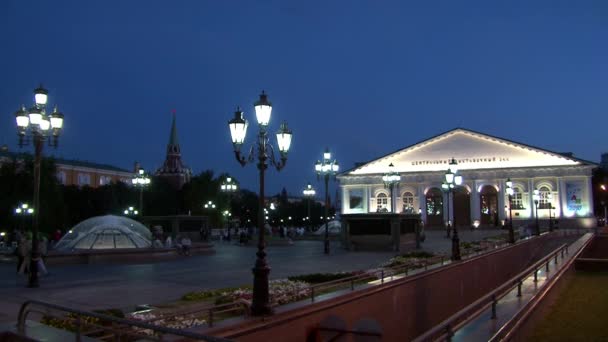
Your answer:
<point x="173" y="135"/>
<point x="173" y="168"/>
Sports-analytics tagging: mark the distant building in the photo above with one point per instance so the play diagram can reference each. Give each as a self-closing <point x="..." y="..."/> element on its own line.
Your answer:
<point x="604" y="162"/>
<point x="486" y="162"/>
<point x="173" y="169"/>
<point x="77" y="172"/>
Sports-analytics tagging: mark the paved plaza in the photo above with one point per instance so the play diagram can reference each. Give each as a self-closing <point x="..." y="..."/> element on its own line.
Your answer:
<point x="100" y="286"/>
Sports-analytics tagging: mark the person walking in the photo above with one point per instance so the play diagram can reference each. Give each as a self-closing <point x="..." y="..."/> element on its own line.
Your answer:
<point x="25" y="251"/>
<point x="21" y="252"/>
<point x="42" y="251"/>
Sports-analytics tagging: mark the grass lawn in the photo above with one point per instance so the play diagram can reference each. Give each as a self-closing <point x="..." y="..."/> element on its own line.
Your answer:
<point x="581" y="313"/>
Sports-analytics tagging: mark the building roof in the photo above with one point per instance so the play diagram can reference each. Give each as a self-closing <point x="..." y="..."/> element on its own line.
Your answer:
<point x="66" y="162"/>
<point x="472" y="150"/>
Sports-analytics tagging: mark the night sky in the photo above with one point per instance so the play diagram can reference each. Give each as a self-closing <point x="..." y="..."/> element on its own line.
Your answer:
<point x="362" y="77"/>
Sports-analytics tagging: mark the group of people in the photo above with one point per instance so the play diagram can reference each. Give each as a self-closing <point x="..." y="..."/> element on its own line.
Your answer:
<point x="24" y="253"/>
<point x="182" y="244"/>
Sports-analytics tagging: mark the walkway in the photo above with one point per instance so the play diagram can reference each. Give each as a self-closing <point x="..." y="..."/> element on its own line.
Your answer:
<point x="482" y="328"/>
<point x="100" y="286"/>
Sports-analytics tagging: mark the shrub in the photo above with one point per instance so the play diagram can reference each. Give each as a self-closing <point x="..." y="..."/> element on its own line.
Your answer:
<point x="317" y="278"/>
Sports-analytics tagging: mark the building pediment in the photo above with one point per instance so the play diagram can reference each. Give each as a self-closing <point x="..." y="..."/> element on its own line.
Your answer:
<point x="471" y="150"/>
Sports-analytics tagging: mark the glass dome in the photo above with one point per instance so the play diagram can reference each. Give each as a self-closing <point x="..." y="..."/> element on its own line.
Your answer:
<point x="106" y="232"/>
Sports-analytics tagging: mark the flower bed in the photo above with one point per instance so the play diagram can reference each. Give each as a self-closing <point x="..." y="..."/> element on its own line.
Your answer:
<point x="412" y="260"/>
<point x="281" y="292"/>
<point x="169" y="321"/>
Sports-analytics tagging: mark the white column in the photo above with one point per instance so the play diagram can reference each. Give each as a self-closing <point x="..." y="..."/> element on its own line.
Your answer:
<point x="559" y="209"/>
<point x="563" y="197"/>
<point x="475" y="211"/>
<point x="589" y="196"/>
<point x="445" y="207"/>
<point x="345" y="201"/>
<point x="398" y="204"/>
<point x="368" y="195"/>
<point x="531" y="198"/>
<point x="422" y="201"/>
<point x="501" y="199"/>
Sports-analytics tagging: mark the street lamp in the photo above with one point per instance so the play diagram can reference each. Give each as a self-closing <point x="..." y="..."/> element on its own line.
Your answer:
<point x="390" y="179"/>
<point x="309" y="193"/>
<point x="24" y="210"/>
<point x="536" y="197"/>
<point x="228" y="186"/>
<point x="452" y="180"/>
<point x="265" y="153"/>
<point x="209" y="205"/>
<point x="130" y="211"/>
<point x="510" y="192"/>
<point x="603" y="187"/>
<point x="326" y="169"/>
<point x="141" y="180"/>
<point x="41" y="127"/>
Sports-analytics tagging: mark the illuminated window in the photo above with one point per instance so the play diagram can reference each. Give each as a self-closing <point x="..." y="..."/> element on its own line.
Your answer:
<point x="381" y="202"/>
<point x="84" y="179"/>
<point x="544" y="200"/>
<point x="61" y="177"/>
<point x="105" y="180"/>
<point x="517" y="201"/>
<point x="408" y="203"/>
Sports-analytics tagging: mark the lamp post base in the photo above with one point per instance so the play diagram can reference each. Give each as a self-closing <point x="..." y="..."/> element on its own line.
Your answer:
<point x="326" y="246"/>
<point x="511" y="234"/>
<point x="260" y="305"/>
<point x="455" y="246"/>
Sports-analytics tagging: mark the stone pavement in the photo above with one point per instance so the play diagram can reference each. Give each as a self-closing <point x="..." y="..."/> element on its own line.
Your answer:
<point x="101" y="286"/>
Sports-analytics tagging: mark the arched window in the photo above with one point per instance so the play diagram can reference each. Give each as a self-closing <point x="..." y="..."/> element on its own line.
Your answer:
<point x="544" y="201"/>
<point x="517" y="200"/>
<point x="61" y="177"/>
<point x="381" y="202"/>
<point x="408" y="203"/>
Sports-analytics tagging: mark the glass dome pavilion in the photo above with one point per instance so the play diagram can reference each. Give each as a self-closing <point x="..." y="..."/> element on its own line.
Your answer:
<point x="106" y="232"/>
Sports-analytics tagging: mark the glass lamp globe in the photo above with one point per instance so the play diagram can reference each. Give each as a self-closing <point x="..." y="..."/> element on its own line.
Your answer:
<point x="284" y="136"/>
<point x="263" y="109"/>
<point x="238" y="128"/>
<point x="41" y="96"/>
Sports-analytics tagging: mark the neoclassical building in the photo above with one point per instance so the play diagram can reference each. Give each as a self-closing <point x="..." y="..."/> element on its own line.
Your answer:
<point x="485" y="162"/>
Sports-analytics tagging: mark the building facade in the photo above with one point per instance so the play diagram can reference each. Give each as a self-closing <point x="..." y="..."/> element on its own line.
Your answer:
<point x="78" y="172"/>
<point x="486" y="163"/>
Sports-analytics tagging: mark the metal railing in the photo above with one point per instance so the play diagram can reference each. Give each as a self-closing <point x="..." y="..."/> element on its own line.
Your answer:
<point x="445" y="330"/>
<point x="101" y="326"/>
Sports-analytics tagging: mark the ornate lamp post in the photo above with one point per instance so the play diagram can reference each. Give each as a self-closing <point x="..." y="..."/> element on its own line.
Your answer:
<point x="326" y="169"/>
<point x="130" y="211"/>
<point x="309" y="193"/>
<point x="36" y="126"/>
<point x="510" y="192"/>
<point x="229" y="187"/>
<point x="141" y="180"/>
<point x="390" y="179"/>
<point x="536" y="197"/>
<point x="452" y="180"/>
<point x="265" y="155"/>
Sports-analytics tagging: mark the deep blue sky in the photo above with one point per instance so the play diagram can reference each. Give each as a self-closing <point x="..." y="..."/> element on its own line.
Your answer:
<point x="362" y="77"/>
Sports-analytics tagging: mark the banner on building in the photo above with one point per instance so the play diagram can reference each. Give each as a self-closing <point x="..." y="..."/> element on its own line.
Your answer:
<point x="574" y="193"/>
